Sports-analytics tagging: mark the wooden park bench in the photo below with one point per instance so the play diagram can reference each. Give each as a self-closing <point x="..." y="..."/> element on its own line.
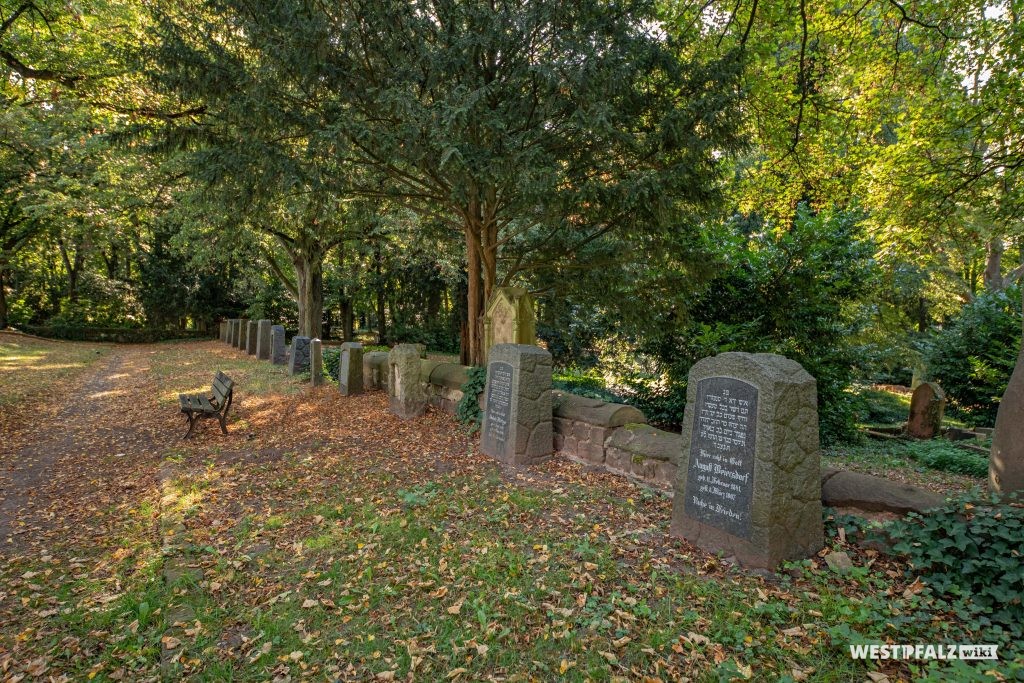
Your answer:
<point x="213" y="404"/>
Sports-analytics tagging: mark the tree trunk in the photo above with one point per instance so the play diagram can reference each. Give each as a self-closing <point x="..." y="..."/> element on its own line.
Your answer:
<point x="310" y="276"/>
<point x="474" y="354"/>
<point x="994" y="265"/>
<point x="4" y="321"/>
<point x="382" y="325"/>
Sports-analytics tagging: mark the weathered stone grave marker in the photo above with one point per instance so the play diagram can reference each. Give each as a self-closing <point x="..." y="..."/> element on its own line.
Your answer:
<point x="509" y="318"/>
<point x="749" y="482"/>
<point x="927" y="405"/>
<point x="350" y="369"/>
<point x="250" y="337"/>
<point x="316" y="362"/>
<point x="278" y="352"/>
<point x="232" y="331"/>
<point x="263" y="340"/>
<point x="298" y="361"/>
<point x="222" y="330"/>
<point x="406" y="391"/>
<point x="1006" y="462"/>
<point x="243" y="327"/>
<point x="517" y="424"/>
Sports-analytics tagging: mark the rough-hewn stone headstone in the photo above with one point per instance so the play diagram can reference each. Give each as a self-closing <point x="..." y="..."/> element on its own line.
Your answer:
<point x="517" y="425"/>
<point x="749" y="481"/>
<point x="316" y="362"/>
<point x="263" y="340"/>
<point x="243" y="327"/>
<point x="278" y="353"/>
<point x="375" y="370"/>
<point x="927" y="404"/>
<point x="298" y="360"/>
<point x="250" y="337"/>
<point x="407" y="392"/>
<point x="1006" y="462"/>
<point x="509" y="318"/>
<point x="222" y="330"/>
<point x="232" y="330"/>
<point x="350" y="369"/>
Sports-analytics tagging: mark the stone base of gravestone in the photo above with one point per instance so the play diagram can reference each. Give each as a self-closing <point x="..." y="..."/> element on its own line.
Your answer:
<point x="517" y="423"/>
<point x="407" y="391"/>
<point x="1006" y="462"/>
<point x="298" y="359"/>
<point x="350" y="369"/>
<point x="316" y="362"/>
<point x="927" y="406"/>
<point x="749" y="478"/>
<point x="263" y="340"/>
<point x="250" y="337"/>
<point x="278" y="350"/>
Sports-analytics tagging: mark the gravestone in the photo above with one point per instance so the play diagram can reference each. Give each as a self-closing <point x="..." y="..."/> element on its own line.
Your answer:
<point x="231" y="331"/>
<point x="407" y="393"/>
<point x="517" y="423"/>
<point x="509" y="318"/>
<point x="278" y="353"/>
<point x="250" y="337"/>
<point x="236" y="331"/>
<point x="927" y="404"/>
<point x="222" y="331"/>
<point x="375" y="370"/>
<point x="316" y="362"/>
<point x="350" y="369"/>
<point x="263" y="340"/>
<point x="1006" y="462"/>
<point x="749" y="478"/>
<point x="298" y="361"/>
<point x="243" y="327"/>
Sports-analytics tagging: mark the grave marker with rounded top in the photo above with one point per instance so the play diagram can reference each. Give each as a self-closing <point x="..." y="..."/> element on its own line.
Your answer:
<point x="250" y="337"/>
<point x="263" y="340"/>
<point x="316" y="362"/>
<point x="927" y="404"/>
<point x="407" y="393"/>
<point x="517" y="422"/>
<point x="350" y="369"/>
<point x="749" y="481"/>
<point x="298" y="361"/>
<point x="278" y="352"/>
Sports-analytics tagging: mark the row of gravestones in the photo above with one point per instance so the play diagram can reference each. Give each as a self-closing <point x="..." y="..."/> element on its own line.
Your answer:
<point x="749" y="478"/>
<point x="266" y="341"/>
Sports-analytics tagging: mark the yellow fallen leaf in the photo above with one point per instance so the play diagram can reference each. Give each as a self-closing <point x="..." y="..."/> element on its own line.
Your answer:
<point x="455" y="673"/>
<point x="170" y="642"/>
<point x="456" y="608"/>
<point x="308" y="602"/>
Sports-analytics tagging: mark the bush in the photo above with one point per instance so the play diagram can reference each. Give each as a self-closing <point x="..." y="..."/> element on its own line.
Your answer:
<point x="970" y="551"/>
<point x="437" y="336"/>
<point x="332" y="358"/>
<point x="973" y="356"/>
<point x="873" y="406"/>
<point x="120" y="335"/>
<point x="468" y="410"/>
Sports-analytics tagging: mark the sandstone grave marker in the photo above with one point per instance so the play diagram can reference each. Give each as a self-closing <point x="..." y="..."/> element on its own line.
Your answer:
<point x="316" y="362"/>
<point x="517" y="423"/>
<point x="250" y="337"/>
<point x="749" y="482"/>
<point x="263" y="340"/>
<point x="509" y="318"/>
<point x="927" y="405"/>
<point x="243" y="326"/>
<point x="350" y="369"/>
<point x="407" y="395"/>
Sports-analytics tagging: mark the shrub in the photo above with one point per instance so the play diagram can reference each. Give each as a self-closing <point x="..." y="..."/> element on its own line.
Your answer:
<point x="468" y="410"/>
<point x="973" y="356"/>
<point x="970" y="551"/>
<point x="332" y="358"/>
<point x="944" y="456"/>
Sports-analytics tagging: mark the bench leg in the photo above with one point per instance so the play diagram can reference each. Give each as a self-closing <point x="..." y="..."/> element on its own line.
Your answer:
<point x="192" y="419"/>
<point x="221" y="419"/>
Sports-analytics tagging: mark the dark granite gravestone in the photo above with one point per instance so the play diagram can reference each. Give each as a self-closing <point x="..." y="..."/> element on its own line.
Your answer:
<point x="749" y="482"/>
<point x="927" y="405"/>
<point x="517" y="423"/>
<point x="298" y="361"/>
<point x="316" y="362"/>
<point x="278" y="352"/>
<point x="263" y="340"/>
<point x="350" y="369"/>
<point x="407" y="393"/>
<point x="250" y="337"/>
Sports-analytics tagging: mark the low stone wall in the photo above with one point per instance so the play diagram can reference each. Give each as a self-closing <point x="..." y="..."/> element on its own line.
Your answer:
<point x="444" y="384"/>
<point x="643" y="452"/>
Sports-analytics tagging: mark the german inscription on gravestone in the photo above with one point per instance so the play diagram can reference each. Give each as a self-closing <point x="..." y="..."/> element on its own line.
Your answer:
<point x="499" y="406"/>
<point x="720" y="482"/>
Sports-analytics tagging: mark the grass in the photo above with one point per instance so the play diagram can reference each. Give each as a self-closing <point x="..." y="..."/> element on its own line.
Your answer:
<point x="33" y="367"/>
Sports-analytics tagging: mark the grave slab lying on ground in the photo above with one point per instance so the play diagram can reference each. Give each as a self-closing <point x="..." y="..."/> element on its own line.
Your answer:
<point x="749" y="479"/>
<point x="517" y="423"/>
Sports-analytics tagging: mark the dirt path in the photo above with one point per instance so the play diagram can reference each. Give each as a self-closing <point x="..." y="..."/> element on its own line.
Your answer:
<point x="80" y="458"/>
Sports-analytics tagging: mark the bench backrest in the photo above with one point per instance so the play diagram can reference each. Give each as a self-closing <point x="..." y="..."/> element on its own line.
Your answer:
<point x="223" y="387"/>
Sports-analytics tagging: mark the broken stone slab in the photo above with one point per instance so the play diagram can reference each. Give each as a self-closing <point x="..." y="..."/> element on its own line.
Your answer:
<point x="842" y="488"/>
<point x="593" y="411"/>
